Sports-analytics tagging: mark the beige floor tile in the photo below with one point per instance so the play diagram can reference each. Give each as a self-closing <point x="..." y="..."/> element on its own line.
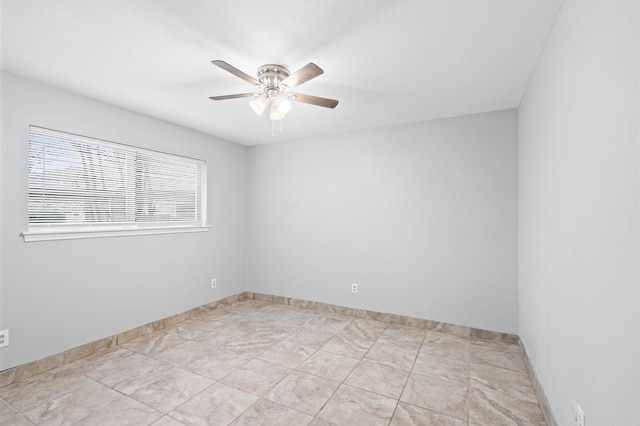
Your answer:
<point x="103" y="364"/>
<point x="512" y="383"/>
<point x="273" y="331"/>
<point x="288" y="353"/>
<point x="304" y="336"/>
<point x="16" y="420"/>
<point x="217" y="405"/>
<point x="172" y="390"/>
<point x="317" y="421"/>
<point x="256" y="377"/>
<point x="192" y="329"/>
<point x="123" y="412"/>
<point x="167" y="421"/>
<point x="353" y="348"/>
<point x="411" y="415"/>
<point x="241" y="323"/>
<point x="249" y="308"/>
<point x="368" y="327"/>
<point x="218" y="364"/>
<point x="449" y="329"/>
<point x="287" y="314"/>
<point x="440" y="396"/>
<point x="352" y="406"/>
<point x="74" y="406"/>
<point x="451" y="348"/>
<point x="303" y="392"/>
<point x="442" y="368"/>
<point x="509" y="360"/>
<point x="330" y="366"/>
<point x="137" y="376"/>
<point x="498" y="409"/>
<point x="277" y="330"/>
<point x="186" y="353"/>
<point x="393" y="353"/>
<point x="329" y="323"/>
<point x="220" y="336"/>
<point x="356" y="338"/>
<point x="407" y="335"/>
<point x="251" y="344"/>
<point x="296" y="316"/>
<point x="269" y="413"/>
<point x="154" y="342"/>
<point x="6" y="410"/>
<point x="25" y="396"/>
<point x="378" y="378"/>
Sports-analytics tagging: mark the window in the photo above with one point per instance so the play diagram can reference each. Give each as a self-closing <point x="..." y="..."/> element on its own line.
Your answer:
<point x="81" y="187"/>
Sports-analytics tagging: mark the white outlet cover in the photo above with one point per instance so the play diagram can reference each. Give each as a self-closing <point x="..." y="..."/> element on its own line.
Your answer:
<point x="214" y="283"/>
<point x="4" y="338"/>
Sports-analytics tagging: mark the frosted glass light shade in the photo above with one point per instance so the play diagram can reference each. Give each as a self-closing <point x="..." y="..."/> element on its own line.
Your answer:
<point x="259" y="104"/>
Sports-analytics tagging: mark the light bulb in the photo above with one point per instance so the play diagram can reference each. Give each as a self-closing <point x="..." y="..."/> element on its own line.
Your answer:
<point x="275" y="114"/>
<point x="283" y="105"/>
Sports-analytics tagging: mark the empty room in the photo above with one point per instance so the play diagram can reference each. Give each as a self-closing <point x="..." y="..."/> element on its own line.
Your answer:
<point x="320" y="213"/>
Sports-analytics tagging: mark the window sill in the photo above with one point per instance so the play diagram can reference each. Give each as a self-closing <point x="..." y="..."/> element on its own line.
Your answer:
<point x="51" y="234"/>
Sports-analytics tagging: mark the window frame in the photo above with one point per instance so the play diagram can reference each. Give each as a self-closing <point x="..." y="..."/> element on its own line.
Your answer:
<point x="64" y="231"/>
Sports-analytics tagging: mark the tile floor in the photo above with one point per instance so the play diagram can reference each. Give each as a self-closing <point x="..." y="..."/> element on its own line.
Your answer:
<point x="257" y="363"/>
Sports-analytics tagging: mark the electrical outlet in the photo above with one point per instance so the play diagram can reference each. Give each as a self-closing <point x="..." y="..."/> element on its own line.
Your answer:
<point x="354" y="288"/>
<point x="4" y="338"/>
<point x="214" y="283"/>
<point x="579" y="416"/>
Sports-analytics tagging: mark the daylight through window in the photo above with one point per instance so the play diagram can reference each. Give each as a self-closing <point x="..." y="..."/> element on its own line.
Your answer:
<point x="81" y="187"/>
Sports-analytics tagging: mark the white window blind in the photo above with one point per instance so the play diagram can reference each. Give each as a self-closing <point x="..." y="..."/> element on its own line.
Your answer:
<point x="80" y="185"/>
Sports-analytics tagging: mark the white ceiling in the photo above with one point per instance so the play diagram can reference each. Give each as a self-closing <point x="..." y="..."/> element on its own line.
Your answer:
<point x="387" y="62"/>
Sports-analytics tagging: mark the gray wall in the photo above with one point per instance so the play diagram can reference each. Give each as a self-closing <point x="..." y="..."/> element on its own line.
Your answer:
<point x="61" y="294"/>
<point x="579" y="214"/>
<point x="423" y="217"/>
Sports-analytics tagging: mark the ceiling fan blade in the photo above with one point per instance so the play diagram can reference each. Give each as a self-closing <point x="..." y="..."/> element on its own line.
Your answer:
<point x="303" y="75"/>
<point x="224" y="97"/>
<point x="314" y="100"/>
<point x="235" y="71"/>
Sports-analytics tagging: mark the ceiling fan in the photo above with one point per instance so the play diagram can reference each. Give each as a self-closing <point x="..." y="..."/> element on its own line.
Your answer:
<point x="274" y="83"/>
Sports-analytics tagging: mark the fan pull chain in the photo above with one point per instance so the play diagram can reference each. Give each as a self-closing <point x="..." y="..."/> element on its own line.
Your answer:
<point x="272" y="135"/>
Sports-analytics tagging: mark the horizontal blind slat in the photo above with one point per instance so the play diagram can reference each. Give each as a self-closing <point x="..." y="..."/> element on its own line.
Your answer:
<point x="79" y="180"/>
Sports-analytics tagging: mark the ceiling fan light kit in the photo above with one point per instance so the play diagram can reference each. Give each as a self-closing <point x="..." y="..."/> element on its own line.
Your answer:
<point x="274" y="81"/>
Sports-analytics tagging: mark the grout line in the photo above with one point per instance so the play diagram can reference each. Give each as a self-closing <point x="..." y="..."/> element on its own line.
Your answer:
<point x="409" y="375"/>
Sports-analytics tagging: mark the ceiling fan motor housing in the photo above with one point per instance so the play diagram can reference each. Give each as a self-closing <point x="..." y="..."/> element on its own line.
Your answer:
<point x="271" y="76"/>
